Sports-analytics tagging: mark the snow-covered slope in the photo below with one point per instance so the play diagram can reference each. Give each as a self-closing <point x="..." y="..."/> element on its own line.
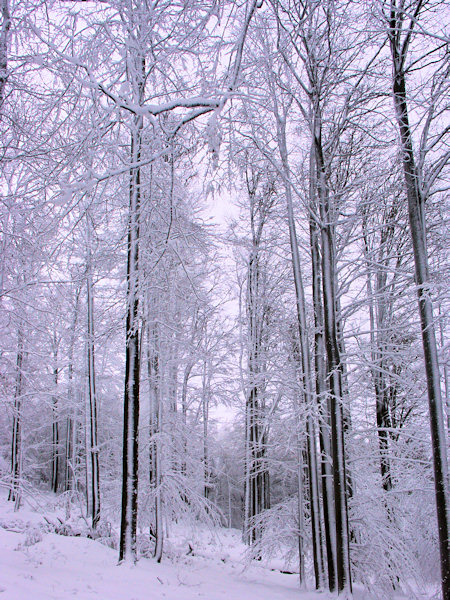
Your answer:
<point x="47" y="566"/>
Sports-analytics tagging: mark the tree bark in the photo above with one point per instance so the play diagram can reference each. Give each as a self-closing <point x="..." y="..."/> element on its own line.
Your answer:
<point x="69" y="477"/>
<point x="306" y="374"/>
<point x="4" y="35"/>
<point x="344" y="582"/>
<point x="127" y="550"/>
<point x="93" y="404"/>
<point x="378" y="324"/>
<point x="322" y="393"/>
<point x="206" y="383"/>
<point x="416" y="206"/>
<point x="55" y="421"/>
<point x="16" y="440"/>
<point x="257" y="496"/>
<point x="156" y="530"/>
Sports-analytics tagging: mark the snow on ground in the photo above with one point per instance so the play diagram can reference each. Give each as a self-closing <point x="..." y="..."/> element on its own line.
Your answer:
<point x="35" y="565"/>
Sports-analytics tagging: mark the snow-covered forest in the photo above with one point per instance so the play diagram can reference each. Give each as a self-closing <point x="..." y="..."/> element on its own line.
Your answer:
<point x="224" y="299"/>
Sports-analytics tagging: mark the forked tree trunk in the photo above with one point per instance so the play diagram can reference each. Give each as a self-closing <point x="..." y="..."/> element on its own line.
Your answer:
<point x="323" y="400"/>
<point x="306" y="373"/>
<point x="344" y="582"/>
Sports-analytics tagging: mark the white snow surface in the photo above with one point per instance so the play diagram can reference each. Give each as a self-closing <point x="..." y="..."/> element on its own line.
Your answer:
<point x="58" y="567"/>
<point x="37" y="565"/>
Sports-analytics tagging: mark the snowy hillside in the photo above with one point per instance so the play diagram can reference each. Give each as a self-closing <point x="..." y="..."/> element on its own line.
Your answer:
<point x="47" y="566"/>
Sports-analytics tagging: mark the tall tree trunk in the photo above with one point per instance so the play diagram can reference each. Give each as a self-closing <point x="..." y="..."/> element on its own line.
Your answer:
<point x="323" y="399"/>
<point x="4" y="35"/>
<point x="305" y="361"/>
<point x="256" y="481"/>
<point x="377" y="365"/>
<point x="205" y="418"/>
<point x="300" y="507"/>
<point x="87" y="443"/>
<point x="93" y="408"/>
<point x="399" y="48"/>
<point x="184" y="390"/>
<point x="16" y="439"/>
<point x="127" y="550"/>
<point x="446" y="381"/>
<point x="344" y="582"/>
<point x="68" y="468"/>
<point x="156" y="531"/>
<point x="55" y="421"/>
<point x="71" y="425"/>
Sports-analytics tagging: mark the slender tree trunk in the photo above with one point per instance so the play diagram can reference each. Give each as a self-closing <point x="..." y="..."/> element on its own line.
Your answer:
<point x="4" y="35"/>
<point x="379" y="325"/>
<point x="229" y="501"/>
<point x="70" y="425"/>
<point x="253" y="468"/>
<point x="399" y="48"/>
<point x="305" y="361"/>
<point x="55" y="422"/>
<point x="159" y="534"/>
<point x="248" y="462"/>
<point x="377" y="367"/>
<point x="446" y="384"/>
<point x="72" y="451"/>
<point x="205" y="418"/>
<point x="257" y="477"/>
<point x="68" y="473"/>
<point x="93" y="405"/>
<point x="16" y="440"/>
<point x="184" y="390"/>
<point x="87" y="443"/>
<point x="300" y="509"/>
<point x="156" y="531"/>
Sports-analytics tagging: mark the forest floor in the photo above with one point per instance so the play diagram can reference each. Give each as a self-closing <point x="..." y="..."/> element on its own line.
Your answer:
<point x="36" y="564"/>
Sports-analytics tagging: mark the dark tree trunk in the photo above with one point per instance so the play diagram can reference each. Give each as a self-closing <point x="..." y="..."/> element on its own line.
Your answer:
<point x="323" y="402"/>
<point x="55" y="424"/>
<point x="416" y="202"/>
<point x="344" y="582"/>
<point x="378" y="329"/>
<point x="257" y="493"/>
<point x="127" y="550"/>
<point x="306" y="372"/>
<point x="205" y="419"/>
<point x="16" y="440"/>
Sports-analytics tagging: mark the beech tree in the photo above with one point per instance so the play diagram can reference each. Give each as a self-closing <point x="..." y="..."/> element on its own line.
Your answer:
<point x="403" y="21"/>
<point x="261" y="196"/>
